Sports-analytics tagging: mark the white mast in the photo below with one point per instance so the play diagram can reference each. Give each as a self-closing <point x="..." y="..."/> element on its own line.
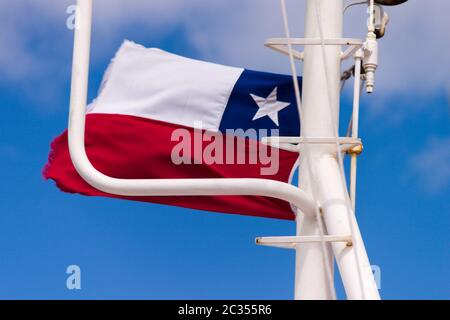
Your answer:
<point x="311" y="280"/>
<point x="321" y="83"/>
<point x="334" y="228"/>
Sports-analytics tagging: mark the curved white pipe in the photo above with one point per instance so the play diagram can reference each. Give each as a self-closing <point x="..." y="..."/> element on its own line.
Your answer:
<point x="151" y="187"/>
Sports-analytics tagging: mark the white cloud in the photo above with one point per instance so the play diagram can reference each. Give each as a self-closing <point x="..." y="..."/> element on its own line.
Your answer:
<point x="413" y="55"/>
<point x="431" y="166"/>
<point x="12" y="45"/>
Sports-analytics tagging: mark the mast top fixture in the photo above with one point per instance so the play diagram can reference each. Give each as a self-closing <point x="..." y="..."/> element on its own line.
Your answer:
<point x="390" y="2"/>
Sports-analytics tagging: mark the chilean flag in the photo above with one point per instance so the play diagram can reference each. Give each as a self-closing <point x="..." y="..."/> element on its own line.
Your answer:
<point x="153" y="105"/>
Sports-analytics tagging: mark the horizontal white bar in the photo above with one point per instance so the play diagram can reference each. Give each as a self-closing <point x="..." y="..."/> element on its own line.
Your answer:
<point x="314" y="41"/>
<point x="291" y="241"/>
<point x="293" y="143"/>
<point x="317" y="140"/>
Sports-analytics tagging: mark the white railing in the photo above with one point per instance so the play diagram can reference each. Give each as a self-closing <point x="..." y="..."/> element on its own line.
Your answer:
<point x="151" y="187"/>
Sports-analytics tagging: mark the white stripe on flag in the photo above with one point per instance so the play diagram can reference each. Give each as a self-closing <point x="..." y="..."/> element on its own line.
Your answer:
<point x="155" y="84"/>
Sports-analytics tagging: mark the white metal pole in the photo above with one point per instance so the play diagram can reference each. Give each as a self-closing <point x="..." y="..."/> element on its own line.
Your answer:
<point x="355" y="125"/>
<point x="311" y="279"/>
<point x="311" y="282"/>
<point x="317" y="121"/>
<point x="314" y="275"/>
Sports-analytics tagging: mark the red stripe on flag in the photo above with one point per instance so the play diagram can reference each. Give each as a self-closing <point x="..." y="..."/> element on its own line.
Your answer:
<point x="130" y="147"/>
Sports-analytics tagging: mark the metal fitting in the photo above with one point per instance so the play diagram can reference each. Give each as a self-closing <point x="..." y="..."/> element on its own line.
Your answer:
<point x="370" y="61"/>
<point x="356" y="150"/>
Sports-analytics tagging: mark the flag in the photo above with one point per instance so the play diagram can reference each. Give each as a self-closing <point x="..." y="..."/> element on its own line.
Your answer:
<point x="160" y="115"/>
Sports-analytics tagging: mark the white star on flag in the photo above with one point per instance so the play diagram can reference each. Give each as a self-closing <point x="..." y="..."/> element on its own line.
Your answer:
<point x="269" y="106"/>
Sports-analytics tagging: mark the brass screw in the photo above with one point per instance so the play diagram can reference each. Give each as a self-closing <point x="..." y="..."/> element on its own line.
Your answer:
<point x="356" y="150"/>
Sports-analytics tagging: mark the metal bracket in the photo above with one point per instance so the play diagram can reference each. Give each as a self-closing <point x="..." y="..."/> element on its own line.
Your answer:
<point x="290" y="242"/>
<point x="348" y="144"/>
<point x="281" y="45"/>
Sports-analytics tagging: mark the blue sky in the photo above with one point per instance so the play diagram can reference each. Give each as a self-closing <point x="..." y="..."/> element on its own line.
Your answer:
<point x="134" y="250"/>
